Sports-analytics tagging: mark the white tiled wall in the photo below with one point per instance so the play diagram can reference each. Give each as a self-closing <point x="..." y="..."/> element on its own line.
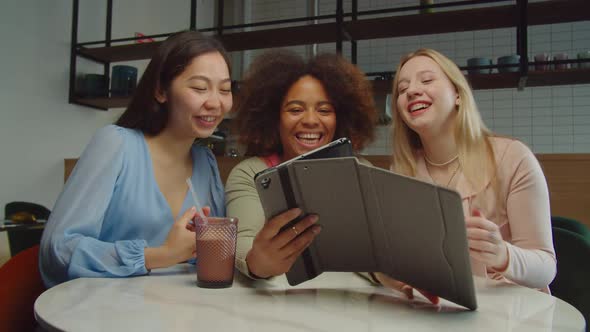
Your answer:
<point x="553" y="119"/>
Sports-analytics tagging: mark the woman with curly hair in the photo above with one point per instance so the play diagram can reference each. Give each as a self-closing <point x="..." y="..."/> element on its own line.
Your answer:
<point x="286" y="107"/>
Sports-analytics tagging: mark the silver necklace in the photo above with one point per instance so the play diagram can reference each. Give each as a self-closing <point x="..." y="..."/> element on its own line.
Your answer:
<point x="450" y="179"/>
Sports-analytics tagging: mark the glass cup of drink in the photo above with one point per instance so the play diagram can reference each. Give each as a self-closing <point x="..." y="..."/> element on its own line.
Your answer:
<point x="216" y="251"/>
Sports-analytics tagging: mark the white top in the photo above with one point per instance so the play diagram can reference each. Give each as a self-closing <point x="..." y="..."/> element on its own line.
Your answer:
<point x="169" y="300"/>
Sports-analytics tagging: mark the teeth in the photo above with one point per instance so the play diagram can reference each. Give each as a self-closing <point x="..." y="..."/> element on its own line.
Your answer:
<point x="418" y="106"/>
<point x="208" y="118"/>
<point x="309" y="136"/>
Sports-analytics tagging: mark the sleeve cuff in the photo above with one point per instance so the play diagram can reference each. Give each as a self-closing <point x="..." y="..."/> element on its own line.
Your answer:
<point x="132" y="255"/>
<point x="506" y="271"/>
<point x="242" y="265"/>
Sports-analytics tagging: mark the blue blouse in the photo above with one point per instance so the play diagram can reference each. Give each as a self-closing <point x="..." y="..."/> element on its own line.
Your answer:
<point x="111" y="209"/>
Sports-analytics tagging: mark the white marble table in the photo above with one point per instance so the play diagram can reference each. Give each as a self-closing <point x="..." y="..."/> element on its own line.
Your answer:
<point x="169" y="300"/>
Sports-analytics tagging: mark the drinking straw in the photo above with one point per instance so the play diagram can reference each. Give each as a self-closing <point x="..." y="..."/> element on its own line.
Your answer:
<point x="195" y="199"/>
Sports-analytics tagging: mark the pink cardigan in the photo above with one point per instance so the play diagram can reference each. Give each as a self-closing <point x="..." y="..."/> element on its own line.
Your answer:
<point x="523" y="213"/>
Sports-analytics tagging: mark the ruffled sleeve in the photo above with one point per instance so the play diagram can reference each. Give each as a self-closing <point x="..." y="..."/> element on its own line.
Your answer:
<point x="70" y="247"/>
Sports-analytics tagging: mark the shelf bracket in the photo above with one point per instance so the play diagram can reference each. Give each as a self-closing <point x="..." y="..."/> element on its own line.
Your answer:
<point x="339" y="24"/>
<point x="522" y="82"/>
<point x="193" y="15"/>
<point x="74" y="38"/>
<point x="353" y="48"/>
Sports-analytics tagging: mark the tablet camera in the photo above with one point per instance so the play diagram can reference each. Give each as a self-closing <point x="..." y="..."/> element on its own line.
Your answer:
<point x="265" y="183"/>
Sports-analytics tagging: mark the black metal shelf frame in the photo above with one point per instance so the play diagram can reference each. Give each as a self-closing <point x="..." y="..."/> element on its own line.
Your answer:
<point x="72" y="98"/>
<point x="220" y="28"/>
<point x="338" y="18"/>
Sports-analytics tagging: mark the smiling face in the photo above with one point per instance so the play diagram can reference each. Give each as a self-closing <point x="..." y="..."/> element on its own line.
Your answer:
<point x="426" y="99"/>
<point x="198" y="98"/>
<point x="308" y="118"/>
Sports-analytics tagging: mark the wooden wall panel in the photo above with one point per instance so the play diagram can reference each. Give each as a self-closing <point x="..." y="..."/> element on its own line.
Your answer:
<point x="568" y="177"/>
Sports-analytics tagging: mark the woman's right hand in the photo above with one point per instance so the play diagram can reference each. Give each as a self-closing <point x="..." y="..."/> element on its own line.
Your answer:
<point x="179" y="245"/>
<point x="274" y="252"/>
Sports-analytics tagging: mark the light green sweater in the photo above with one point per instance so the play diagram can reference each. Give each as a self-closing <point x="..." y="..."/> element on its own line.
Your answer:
<point x="242" y="201"/>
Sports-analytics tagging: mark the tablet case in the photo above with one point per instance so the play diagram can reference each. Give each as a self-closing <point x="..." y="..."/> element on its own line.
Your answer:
<point x="374" y="220"/>
<point x="280" y="193"/>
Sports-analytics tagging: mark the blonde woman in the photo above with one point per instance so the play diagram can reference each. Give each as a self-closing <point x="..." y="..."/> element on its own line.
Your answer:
<point x="439" y="137"/>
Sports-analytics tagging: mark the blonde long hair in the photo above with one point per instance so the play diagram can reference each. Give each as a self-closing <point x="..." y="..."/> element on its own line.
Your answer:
<point x="471" y="134"/>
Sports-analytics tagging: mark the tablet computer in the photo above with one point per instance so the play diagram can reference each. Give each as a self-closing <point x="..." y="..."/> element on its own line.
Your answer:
<point x="276" y="195"/>
<point x="274" y="183"/>
<point x="341" y="147"/>
<point x="374" y="220"/>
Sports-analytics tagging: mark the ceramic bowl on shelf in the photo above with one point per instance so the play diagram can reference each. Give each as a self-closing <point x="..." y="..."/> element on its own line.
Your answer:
<point x="513" y="59"/>
<point x="479" y="61"/>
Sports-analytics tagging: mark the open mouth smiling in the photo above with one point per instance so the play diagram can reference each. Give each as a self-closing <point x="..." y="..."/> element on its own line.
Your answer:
<point x="419" y="106"/>
<point x="210" y="119"/>
<point x="309" y="138"/>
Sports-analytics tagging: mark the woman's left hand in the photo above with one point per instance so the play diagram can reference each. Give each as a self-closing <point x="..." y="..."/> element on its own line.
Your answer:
<point x="404" y="288"/>
<point x="485" y="242"/>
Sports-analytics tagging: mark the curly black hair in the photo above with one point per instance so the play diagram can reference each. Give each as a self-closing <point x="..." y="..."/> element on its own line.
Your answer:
<point x="267" y="81"/>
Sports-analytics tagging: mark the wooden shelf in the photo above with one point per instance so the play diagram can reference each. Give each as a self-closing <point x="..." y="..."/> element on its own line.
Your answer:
<point x="558" y="77"/>
<point x="511" y="80"/>
<point x="238" y="41"/>
<point x="280" y="37"/>
<point x="467" y="20"/>
<point x="385" y="27"/>
<point x="493" y="81"/>
<point x="120" y="52"/>
<point x="103" y="103"/>
<point x="381" y="86"/>
<point x="561" y="11"/>
<point x="438" y="22"/>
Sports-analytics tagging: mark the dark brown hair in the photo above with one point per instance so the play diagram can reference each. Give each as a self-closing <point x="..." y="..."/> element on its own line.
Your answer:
<point x="171" y="58"/>
<point x="272" y="74"/>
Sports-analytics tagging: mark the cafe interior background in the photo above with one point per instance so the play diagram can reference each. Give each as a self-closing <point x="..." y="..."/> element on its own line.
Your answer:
<point x="39" y="128"/>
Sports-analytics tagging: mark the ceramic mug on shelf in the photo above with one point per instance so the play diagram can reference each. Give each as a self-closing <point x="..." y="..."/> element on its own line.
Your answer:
<point x="558" y="57"/>
<point x="123" y="80"/>
<point x="539" y="58"/>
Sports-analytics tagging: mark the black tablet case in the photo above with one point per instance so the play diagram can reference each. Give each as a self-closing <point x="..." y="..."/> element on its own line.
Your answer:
<point x="374" y="220"/>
